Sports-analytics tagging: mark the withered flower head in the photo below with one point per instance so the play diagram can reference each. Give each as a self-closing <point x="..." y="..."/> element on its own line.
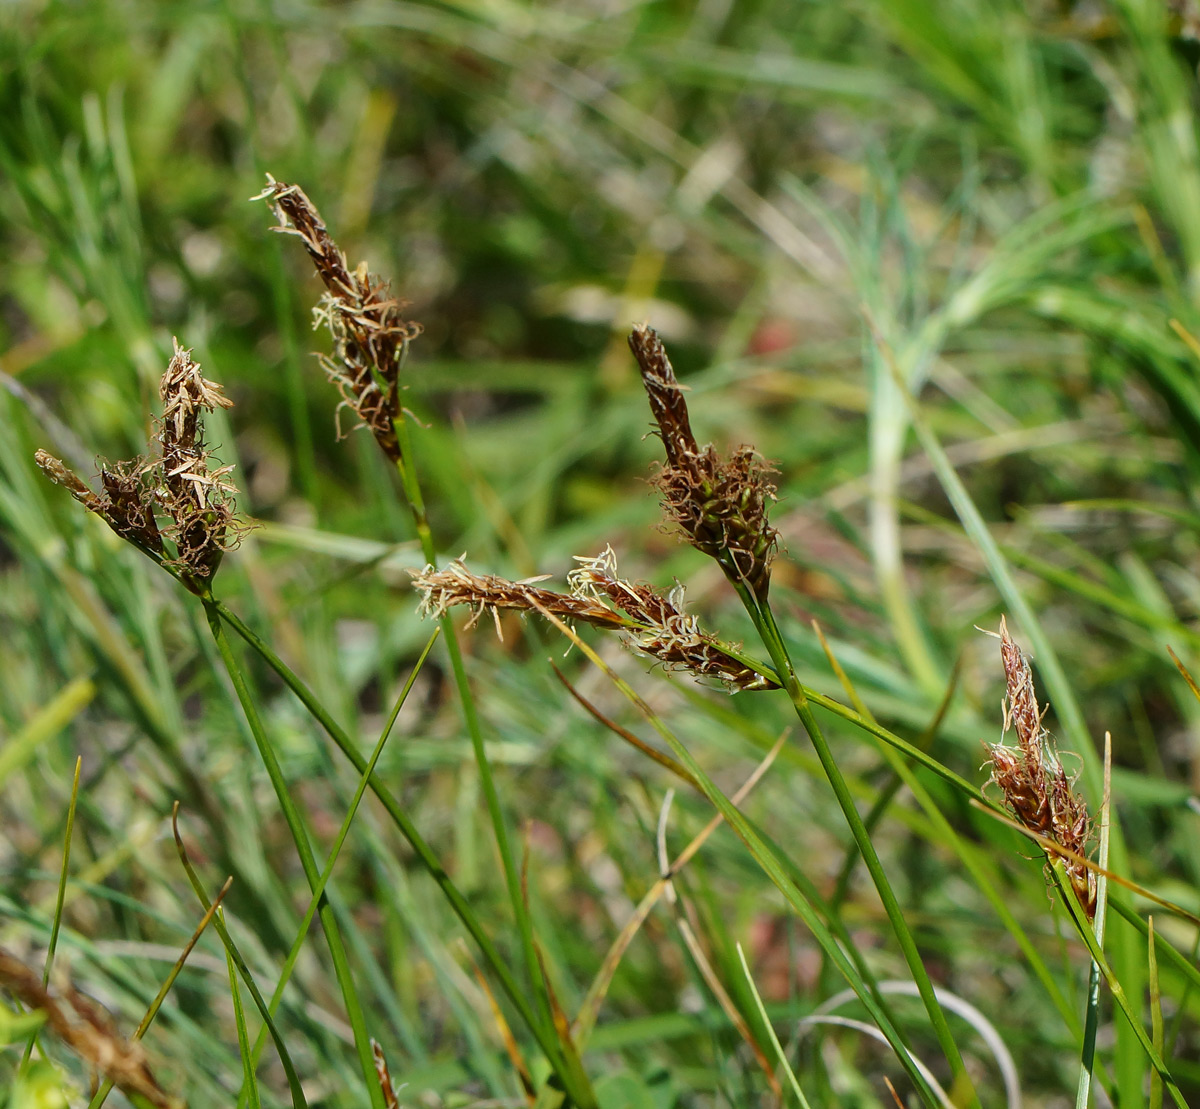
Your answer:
<point x="370" y="334"/>
<point x="1031" y="776"/>
<point x="719" y="504"/>
<point x="173" y="494"/>
<point x="456" y="585"/>
<point x="198" y="501"/>
<point x="652" y="623"/>
<point x="88" y="1030"/>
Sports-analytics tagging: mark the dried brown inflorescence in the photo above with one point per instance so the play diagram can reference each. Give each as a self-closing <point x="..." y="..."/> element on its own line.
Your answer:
<point x="390" y="1100"/>
<point x="173" y="494"/>
<point x="719" y="504"/>
<point x="456" y="585"/>
<point x="1031" y="776"/>
<point x="369" y="331"/>
<point x="88" y="1030"/>
<point x="653" y="624"/>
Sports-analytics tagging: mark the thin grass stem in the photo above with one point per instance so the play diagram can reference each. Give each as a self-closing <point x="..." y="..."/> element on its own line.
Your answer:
<point x="299" y="833"/>
<point x="764" y="621"/>
<point x="318" y="893"/>
<point x="462" y="908"/>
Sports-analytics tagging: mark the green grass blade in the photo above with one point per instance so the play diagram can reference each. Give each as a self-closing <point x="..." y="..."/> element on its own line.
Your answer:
<point x="49" y="721"/>
<point x="404" y="824"/>
<point x="299" y="835"/>
<point x="766" y="859"/>
<point x="293" y="1079"/>
<point x="770" y="1029"/>
<point x="318" y="892"/>
<point x="249" y="1079"/>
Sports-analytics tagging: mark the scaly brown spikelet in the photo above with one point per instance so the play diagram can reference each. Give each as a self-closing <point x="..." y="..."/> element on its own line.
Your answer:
<point x="173" y="494"/>
<point x="652" y="623"/>
<point x="1031" y="777"/>
<point x="719" y="504"/>
<point x="369" y="331"/>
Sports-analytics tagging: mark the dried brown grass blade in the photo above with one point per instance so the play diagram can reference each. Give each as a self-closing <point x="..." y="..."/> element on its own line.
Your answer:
<point x="88" y="1030"/>
<point x="511" y="1047"/>
<point x="676" y="768"/>
<point x="585" y="1019"/>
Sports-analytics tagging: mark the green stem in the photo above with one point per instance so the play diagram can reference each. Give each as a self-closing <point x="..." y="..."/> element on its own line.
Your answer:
<point x="318" y="894"/>
<point x="408" y="830"/>
<point x="764" y="621"/>
<point x="416" y="501"/>
<point x="295" y="825"/>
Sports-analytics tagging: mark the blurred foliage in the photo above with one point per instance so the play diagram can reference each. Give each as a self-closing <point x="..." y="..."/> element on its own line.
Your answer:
<point x="998" y="203"/>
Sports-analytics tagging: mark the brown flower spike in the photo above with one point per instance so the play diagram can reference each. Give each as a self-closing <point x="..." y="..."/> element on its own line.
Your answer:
<point x="653" y="624"/>
<point x="172" y="495"/>
<point x="719" y="504"/>
<point x="1036" y="788"/>
<point x="370" y="334"/>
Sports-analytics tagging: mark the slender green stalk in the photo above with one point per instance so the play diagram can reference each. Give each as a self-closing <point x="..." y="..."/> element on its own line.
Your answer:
<point x="768" y="861"/>
<point x="764" y="622"/>
<point x="1092" y="1018"/>
<point x="319" y="892"/>
<point x="1156" y="1017"/>
<point x="291" y="815"/>
<point x="416" y="502"/>
<point x="61" y="893"/>
<point x="232" y="952"/>
<point x="59" y="898"/>
<point x="462" y="908"/>
<point x="780" y="1054"/>
<point x="249" y="1082"/>
<point x="106" y="1086"/>
<point x="1084" y="929"/>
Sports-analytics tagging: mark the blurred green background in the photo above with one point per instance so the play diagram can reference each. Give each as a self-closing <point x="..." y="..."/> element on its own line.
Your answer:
<point x="997" y="202"/>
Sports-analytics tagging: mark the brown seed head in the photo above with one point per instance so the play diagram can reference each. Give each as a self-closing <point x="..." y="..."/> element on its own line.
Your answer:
<point x="667" y="404"/>
<point x="176" y="484"/>
<point x="1031" y="777"/>
<point x="719" y="504"/>
<point x="652" y="623"/>
<point x="129" y="503"/>
<point x="199" y="501"/>
<point x="369" y="332"/>
<point x="456" y="585"/>
<point x="663" y="630"/>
